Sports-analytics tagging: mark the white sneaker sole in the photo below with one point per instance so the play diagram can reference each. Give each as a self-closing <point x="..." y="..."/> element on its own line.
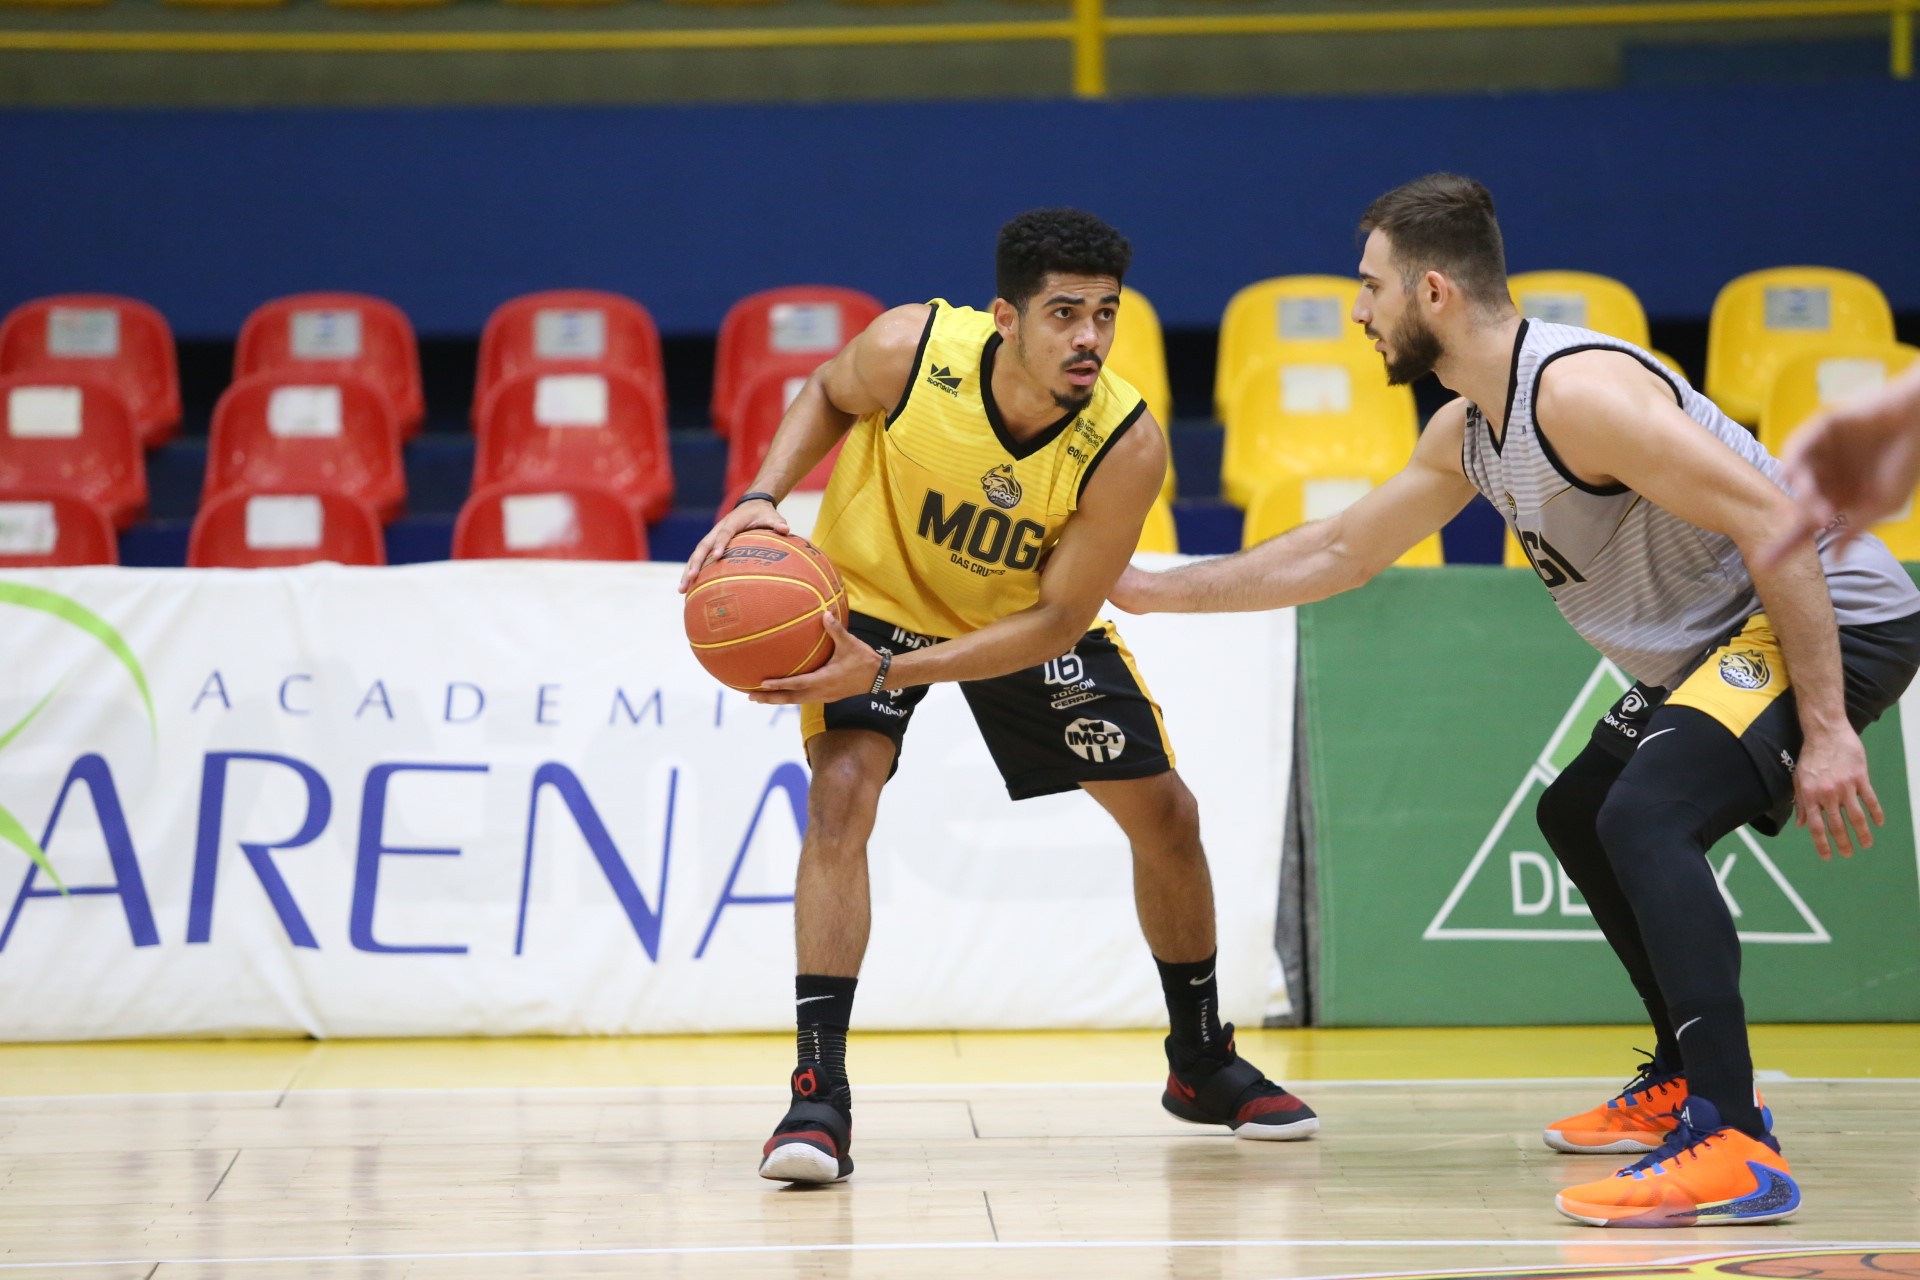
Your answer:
<point x="1624" y="1147"/>
<point x="1295" y="1132"/>
<point x="799" y="1162"/>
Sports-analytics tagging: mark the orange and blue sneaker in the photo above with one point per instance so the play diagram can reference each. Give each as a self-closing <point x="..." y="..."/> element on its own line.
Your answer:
<point x="1706" y="1175"/>
<point x="1229" y="1090"/>
<point x="1636" y="1120"/>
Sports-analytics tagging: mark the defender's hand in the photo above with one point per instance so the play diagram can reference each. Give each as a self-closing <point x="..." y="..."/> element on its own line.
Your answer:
<point x="1859" y="461"/>
<point x="849" y="672"/>
<point x="1833" y="792"/>
<point x="748" y="515"/>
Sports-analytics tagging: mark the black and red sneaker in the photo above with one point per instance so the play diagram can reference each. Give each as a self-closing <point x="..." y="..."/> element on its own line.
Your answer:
<point x="1209" y="1089"/>
<point x="810" y="1143"/>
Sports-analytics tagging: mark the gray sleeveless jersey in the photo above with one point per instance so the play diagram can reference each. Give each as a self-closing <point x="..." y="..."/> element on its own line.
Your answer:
<point x="1644" y="587"/>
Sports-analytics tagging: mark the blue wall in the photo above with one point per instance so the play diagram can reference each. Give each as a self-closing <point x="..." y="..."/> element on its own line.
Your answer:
<point x="447" y="212"/>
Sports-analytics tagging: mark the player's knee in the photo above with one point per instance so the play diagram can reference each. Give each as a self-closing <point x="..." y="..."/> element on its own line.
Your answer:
<point x="1566" y="816"/>
<point x="841" y="801"/>
<point x="1172" y="828"/>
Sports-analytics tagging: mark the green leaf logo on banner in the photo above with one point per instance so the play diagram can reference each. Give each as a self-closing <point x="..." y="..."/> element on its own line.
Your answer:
<point x="70" y="611"/>
<point x="1513" y="889"/>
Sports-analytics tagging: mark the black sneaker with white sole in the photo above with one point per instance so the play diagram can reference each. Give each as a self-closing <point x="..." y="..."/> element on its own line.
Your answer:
<point x="1229" y="1090"/>
<point x="810" y="1142"/>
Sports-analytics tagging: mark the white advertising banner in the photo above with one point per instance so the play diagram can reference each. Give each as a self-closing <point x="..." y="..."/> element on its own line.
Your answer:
<point x="502" y="798"/>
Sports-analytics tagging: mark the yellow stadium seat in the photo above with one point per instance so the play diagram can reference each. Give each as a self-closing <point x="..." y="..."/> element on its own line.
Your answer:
<point x="1901" y="533"/>
<point x="1514" y="557"/>
<point x="1159" y="534"/>
<point x="1808" y="381"/>
<point x="1765" y="317"/>
<point x="1293" y="500"/>
<point x="1291" y="417"/>
<point x="1300" y="317"/>
<point x="1140" y="356"/>
<point x="1580" y="298"/>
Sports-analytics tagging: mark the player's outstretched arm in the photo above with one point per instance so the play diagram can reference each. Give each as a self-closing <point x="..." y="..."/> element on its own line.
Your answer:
<point x="868" y="376"/>
<point x="1860" y="460"/>
<point x="1326" y="557"/>
<point x="1611" y="421"/>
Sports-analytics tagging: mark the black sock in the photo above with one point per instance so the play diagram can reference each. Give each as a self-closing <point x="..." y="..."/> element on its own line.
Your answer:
<point x="1193" y="1005"/>
<point x="822" y="1010"/>
<point x="1719" y="1065"/>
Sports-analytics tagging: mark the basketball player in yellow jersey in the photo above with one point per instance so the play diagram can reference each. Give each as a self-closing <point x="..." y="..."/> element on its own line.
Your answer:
<point x="992" y="488"/>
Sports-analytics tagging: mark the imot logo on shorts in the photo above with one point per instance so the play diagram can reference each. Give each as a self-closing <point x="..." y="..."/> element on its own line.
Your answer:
<point x="1096" y="740"/>
<point x="1746" y="669"/>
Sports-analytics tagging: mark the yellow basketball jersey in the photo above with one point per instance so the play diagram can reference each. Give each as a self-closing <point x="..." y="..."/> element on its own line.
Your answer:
<point x="938" y="520"/>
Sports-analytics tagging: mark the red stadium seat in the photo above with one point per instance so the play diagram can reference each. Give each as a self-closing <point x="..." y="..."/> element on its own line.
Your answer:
<point x="558" y="429"/>
<point x="54" y="530"/>
<point x="72" y="437"/>
<point x="278" y="431"/>
<point x="760" y="408"/>
<point x="100" y="338"/>
<point x="247" y="529"/>
<point x="564" y="330"/>
<point x="789" y="331"/>
<point x="529" y="521"/>
<point x="324" y="337"/>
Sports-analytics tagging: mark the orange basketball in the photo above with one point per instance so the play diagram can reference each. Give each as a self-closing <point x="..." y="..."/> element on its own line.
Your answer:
<point x="757" y="613"/>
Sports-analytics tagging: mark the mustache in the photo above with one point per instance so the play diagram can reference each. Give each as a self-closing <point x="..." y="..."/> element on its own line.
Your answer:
<point x="1086" y="358"/>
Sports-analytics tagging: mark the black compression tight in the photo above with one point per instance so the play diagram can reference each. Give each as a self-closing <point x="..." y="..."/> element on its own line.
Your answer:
<point x="1633" y="837"/>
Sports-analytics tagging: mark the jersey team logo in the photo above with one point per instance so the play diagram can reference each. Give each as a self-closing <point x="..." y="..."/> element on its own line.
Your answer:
<point x="1003" y="491"/>
<point x="1096" y="741"/>
<point x="1746" y="669"/>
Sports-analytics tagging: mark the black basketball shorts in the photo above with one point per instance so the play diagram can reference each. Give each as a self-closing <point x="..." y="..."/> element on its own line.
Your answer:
<point x="1086" y="716"/>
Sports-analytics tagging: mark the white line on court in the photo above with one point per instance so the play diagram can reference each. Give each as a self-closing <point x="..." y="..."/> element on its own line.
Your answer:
<point x="1796" y="1246"/>
<point x="1463" y="1082"/>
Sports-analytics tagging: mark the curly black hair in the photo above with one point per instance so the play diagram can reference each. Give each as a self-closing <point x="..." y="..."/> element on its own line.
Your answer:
<point x="1042" y="241"/>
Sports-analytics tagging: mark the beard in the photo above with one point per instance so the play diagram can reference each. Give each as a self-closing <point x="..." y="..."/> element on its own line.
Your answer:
<point x="1414" y="350"/>
<point x="1066" y="401"/>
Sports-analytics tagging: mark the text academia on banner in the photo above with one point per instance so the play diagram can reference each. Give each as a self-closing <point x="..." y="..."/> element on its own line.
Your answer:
<point x="503" y="799"/>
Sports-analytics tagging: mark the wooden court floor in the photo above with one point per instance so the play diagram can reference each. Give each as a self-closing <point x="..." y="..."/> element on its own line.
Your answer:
<point x="978" y="1155"/>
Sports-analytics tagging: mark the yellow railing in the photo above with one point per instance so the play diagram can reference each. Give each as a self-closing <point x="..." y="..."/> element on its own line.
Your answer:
<point x="1089" y="30"/>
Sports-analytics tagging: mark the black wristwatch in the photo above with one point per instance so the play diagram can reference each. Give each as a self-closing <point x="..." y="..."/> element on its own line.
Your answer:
<point x="756" y="496"/>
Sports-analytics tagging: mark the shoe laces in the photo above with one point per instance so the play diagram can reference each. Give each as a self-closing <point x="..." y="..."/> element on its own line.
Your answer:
<point x="1684" y="1140"/>
<point x="1647" y="1079"/>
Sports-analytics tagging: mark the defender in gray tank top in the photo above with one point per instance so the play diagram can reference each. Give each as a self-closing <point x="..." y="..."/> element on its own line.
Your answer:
<point x="1644" y="587"/>
<point x="1644" y="511"/>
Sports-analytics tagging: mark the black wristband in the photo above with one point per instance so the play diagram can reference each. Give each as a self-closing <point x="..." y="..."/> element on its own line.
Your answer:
<point x="880" y="676"/>
<point x="755" y="496"/>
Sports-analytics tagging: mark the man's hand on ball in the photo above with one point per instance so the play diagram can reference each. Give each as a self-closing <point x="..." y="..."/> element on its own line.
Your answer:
<point x="850" y="671"/>
<point x="748" y="515"/>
